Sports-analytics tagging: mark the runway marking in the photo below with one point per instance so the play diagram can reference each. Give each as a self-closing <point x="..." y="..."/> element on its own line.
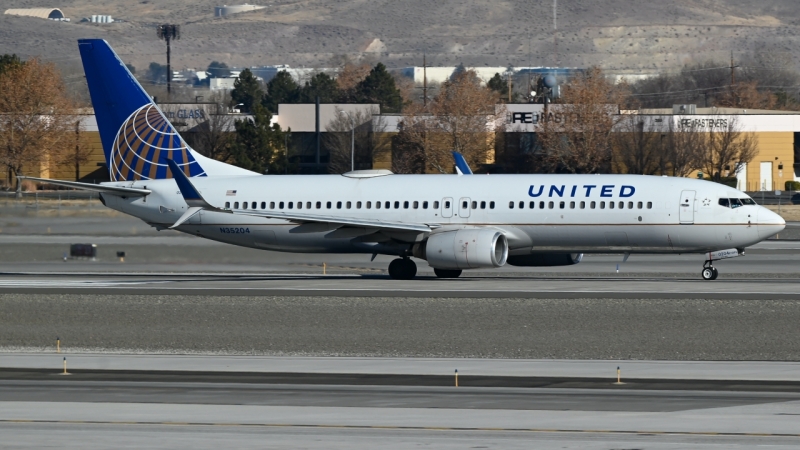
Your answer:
<point x="74" y="283"/>
<point x="400" y="427"/>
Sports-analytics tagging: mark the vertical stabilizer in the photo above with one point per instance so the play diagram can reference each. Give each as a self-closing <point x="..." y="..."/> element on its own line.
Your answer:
<point x="137" y="138"/>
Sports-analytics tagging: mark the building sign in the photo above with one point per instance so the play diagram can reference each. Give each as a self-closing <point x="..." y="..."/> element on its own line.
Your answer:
<point x="704" y="123"/>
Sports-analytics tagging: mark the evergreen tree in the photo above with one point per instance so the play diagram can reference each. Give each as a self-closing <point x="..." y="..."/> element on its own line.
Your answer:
<point x="458" y="71"/>
<point x="257" y="143"/>
<point x="281" y="89"/>
<point x="379" y="87"/>
<point x="157" y="73"/>
<point x="321" y="85"/>
<point x="498" y="84"/>
<point x="8" y="61"/>
<point x="247" y="91"/>
<point x="131" y="68"/>
<point x="218" y="70"/>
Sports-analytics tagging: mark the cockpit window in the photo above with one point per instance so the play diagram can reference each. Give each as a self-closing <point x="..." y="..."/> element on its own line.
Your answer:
<point x="736" y="202"/>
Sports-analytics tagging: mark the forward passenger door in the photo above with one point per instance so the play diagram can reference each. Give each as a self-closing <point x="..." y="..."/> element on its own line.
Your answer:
<point x="687" y="207"/>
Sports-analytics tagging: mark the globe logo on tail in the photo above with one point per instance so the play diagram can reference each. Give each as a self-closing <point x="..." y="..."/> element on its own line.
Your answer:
<point x="144" y="142"/>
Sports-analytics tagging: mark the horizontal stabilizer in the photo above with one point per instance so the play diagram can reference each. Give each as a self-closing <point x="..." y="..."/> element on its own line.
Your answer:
<point x="102" y="188"/>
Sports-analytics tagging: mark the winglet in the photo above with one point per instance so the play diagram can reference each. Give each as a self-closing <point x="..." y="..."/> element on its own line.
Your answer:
<point x="461" y="164"/>
<point x="190" y="194"/>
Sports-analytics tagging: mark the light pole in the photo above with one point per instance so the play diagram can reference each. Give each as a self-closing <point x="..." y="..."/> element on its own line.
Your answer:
<point x="286" y="137"/>
<point x="169" y="32"/>
<point x="352" y="141"/>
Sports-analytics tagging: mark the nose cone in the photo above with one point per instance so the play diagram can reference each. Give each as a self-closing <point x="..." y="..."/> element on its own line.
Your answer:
<point x="769" y="223"/>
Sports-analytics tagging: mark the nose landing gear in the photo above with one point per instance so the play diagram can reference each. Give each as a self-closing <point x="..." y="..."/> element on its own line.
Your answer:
<point x="402" y="269"/>
<point x="709" y="271"/>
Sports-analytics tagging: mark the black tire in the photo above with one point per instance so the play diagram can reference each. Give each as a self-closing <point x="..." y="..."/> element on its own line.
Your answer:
<point x="402" y="269"/>
<point x="447" y="273"/>
<point x="707" y="273"/>
<point x="716" y="273"/>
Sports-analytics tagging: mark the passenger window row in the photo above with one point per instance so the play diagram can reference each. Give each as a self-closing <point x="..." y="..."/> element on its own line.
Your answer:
<point x="330" y="205"/>
<point x="582" y="205"/>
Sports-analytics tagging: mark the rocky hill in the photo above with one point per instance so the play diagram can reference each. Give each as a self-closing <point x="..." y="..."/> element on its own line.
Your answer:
<point x="631" y="35"/>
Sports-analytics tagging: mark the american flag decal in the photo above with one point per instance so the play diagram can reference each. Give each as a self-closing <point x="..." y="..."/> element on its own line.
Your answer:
<point x="231" y="193"/>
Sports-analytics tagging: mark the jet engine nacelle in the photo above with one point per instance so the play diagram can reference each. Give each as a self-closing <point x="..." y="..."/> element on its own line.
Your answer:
<point x="470" y="248"/>
<point x="545" y="259"/>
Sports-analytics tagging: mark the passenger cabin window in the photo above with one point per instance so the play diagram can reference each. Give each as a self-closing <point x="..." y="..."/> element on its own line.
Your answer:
<point x="583" y="205"/>
<point x="541" y="205"/>
<point x="571" y="205"/>
<point x="551" y="205"/>
<point x="338" y="205"/>
<point x="491" y="205"/>
<point x="244" y="205"/>
<point x="271" y="205"/>
<point x="621" y="205"/>
<point x="236" y="205"/>
<point x="483" y="204"/>
<point x="416" y="204"/>
<point x="610" y="205"/>
<point x="649" y="205"/>
<point x="308" y="205"/>
<point x="592" y="205"/>
<point x="358" y="205"/>
<point x="630" y="205"/>
<point x="263" y="205"/>
<point x="396" y="205"/>
<point x="299" y="205"/>
<point x="602" y="205"/>
<point x="254" y="205"/>
<point x="319" y="205"/>
<point x="424" y="205"/>
<point x="435" y="205"/>
<point x="446" y="204"/>
<point x="349" y="204"/>
<point x="561" y="205"/>
<point x="532" y="205"/>
<point x="369" y="205"/>
<point x="291" y="205"/>
<point x="227" y="204"/>
<point x="405" y="205"/>
<point x="510" y="205"/>
<point x="328" y="205"/>
<point x="639" y="205"/>
<point x="377" y="205"/>
<point x="464" y="205"/>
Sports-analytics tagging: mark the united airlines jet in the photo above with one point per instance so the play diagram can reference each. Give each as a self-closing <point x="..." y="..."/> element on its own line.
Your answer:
<point x="453" y="222"/>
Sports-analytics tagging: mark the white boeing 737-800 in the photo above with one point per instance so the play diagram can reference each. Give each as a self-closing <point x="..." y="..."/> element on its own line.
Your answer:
<point x="452" y="222"/>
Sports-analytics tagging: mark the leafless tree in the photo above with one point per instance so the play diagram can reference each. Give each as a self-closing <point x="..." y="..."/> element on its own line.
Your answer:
<point x="461" y="117"/>
<point x="36" y="117"/>
<point x="78" y="153"/>
<point x="576" y="136"/>
<point x="364" y="129"/>
<point x="635" y="144"/>
<point x="727" y="147"/>
<point x="681" y="147"/>
<point x="214" y="136"/>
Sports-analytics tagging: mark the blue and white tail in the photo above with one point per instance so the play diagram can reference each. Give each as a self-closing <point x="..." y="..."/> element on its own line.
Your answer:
<point x="137" y="137"/>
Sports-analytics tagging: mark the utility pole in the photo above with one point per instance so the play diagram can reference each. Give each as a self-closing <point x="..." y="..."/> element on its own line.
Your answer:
<point x="424" y="80"/>
<point x="169" y="32"/>
<point x="555" y="33"/>
<point x="509" y="86"/>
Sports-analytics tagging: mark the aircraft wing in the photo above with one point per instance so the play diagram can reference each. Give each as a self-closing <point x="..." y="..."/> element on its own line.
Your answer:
<point x="102" y="188"/>
<point x="305" y="218"/>
<point x="196" y="202"/>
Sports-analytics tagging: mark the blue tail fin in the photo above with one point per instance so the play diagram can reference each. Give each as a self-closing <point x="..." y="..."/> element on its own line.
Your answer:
<point x="461" y="164"/>
<point x="137" y="138"/>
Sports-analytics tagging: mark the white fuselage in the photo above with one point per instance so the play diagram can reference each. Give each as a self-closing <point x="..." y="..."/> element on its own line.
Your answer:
<point x="550" y="213"/>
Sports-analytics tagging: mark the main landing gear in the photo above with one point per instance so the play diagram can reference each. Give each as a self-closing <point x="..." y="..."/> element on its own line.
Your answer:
<point x="402" y="269"/>
<point x="709" y="271"/>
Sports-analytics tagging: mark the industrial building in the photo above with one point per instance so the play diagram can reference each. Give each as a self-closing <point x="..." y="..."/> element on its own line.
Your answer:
<point x="777" y="134"/>
<point x="41" y="13"/>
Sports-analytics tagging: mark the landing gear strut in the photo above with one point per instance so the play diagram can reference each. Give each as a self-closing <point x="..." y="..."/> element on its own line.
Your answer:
<point x="402" y="269"/>
<point x="709" y="271"/>
<point x="447" y="273"/>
